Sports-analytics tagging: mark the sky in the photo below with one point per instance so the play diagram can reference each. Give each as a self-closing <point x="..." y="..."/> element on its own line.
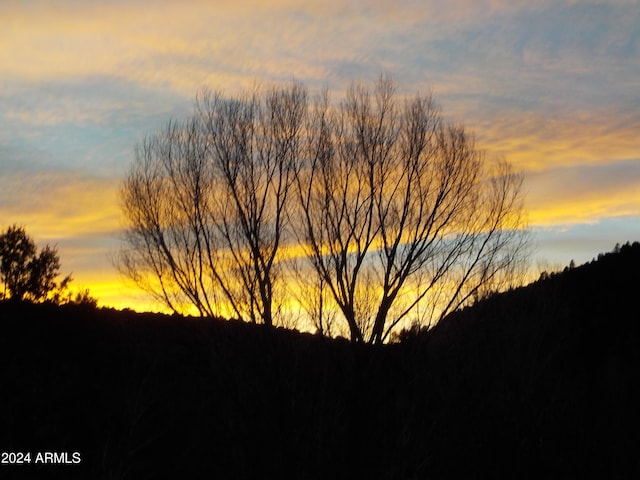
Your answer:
<point x="551" y="86"/>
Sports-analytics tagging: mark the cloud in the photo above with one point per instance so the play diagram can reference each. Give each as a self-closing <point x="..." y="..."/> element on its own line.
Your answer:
<point x="86" y="125"/>
<point x="228" y="44"/>
<point x="169" y="44"/>
<point x="55" y="205"/>
<point x="103" y="100"/>
<point x="548" y="56"/>
<point x="584" y="194"/>
<point x="539" y="140"/>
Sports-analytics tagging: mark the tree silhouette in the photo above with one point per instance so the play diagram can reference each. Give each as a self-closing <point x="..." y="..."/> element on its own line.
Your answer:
<point x="26" y="273"/>
<point x="206" y="202"/>
<point x="396" y="213"/>
<point x="16" y="251"/>
<point x="400" y="213"/>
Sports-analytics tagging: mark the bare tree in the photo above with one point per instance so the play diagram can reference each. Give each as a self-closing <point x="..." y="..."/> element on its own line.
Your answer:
<point x="164" y="253"/>
<point x="254" y="147"/>
<point x="206" y="201"/>
<point x="400" y="212"/>
<point x="399" y="215"/>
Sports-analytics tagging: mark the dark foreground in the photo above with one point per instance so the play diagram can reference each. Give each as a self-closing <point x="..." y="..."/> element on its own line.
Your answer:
<point x="536" y="383"/>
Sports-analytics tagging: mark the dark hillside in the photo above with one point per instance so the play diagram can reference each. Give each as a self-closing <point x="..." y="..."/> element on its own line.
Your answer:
<point x="538" y="382"/>
<point x="550" y="371"/>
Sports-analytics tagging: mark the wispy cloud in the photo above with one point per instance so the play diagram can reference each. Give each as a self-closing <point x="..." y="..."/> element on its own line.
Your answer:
<point x="585" y="194"/>
<point x="57" y="204"/>
<point x="539" y="140"/>
<point x="519" y="51"/>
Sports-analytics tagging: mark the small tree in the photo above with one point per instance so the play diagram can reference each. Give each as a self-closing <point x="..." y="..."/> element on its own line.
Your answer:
<point x="27" y="274"/>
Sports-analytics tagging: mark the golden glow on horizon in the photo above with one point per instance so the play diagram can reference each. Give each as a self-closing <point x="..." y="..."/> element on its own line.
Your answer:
<point x="98" y="211"/>
<point x="67" y="207"/>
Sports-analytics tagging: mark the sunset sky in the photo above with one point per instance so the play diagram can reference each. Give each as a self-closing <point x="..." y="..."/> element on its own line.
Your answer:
<point x="553" y="86"/>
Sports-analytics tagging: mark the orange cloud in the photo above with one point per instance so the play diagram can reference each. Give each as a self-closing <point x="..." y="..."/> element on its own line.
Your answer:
<point x="54" y="205"/>
<point x="537" y="141"/>
<point x="227" y="43"/>
<point x="584" y="194"/>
